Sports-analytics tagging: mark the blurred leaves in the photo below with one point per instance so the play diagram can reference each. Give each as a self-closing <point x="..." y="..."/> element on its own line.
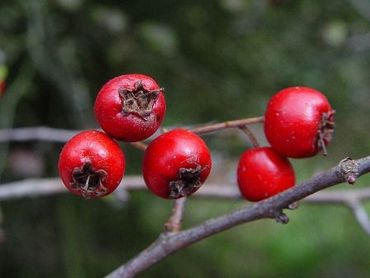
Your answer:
<point x="217" y="60"/>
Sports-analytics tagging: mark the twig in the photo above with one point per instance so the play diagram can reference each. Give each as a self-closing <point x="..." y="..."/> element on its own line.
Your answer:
<point x="360" y="214"/>
<point x="139" y="145"/>
<point x="228" y="124"/>
<point x="29" y="188"/>
<point x="47" y="134"/>
<point x="174" y="222"/>
<point x="39" y="133"/>
<point x="47" y="186"/>
<point x="273" y="207"/>
<point x="250" y="135"/>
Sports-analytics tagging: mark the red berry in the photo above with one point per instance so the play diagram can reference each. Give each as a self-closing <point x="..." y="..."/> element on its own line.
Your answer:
<point x="299" y="122"/>
<point x="130" y="107"/>
<point x="91" y="164"/>
<point x="176" y="164"/>
<point x="2" y="87"/>
<point x="263" y="173"/>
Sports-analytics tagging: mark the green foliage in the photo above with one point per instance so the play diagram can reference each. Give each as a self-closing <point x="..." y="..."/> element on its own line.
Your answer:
<point x="217" y="60"/>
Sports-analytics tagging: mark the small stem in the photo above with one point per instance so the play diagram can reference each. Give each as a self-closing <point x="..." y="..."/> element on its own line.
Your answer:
<point x="174" y="222"/>
<point x="139" y="145"/>
<point x="228" y="124"/>
<point x="250" y="135"/>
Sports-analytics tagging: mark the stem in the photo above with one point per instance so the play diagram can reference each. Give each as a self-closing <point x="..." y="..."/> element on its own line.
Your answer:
<point x="228" y="124"/>
<point x="174" y="222"/>
<point x="250" y="135"/>
<point x="139" y="145"/>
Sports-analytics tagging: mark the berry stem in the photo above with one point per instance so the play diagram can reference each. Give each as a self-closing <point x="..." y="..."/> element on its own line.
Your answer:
<point x="139" y="145"/>
<point x="173" y="224"/>
<point x="250" y="135"/>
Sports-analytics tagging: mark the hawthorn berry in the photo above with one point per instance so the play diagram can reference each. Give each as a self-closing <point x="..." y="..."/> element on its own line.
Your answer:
<point x="91" y="164"/>
<point x="263" y="173"/>
<point x="130" y="107"/>
<point x="176" y="164"/>
<point x="299" y="122"/>
<point x="2" y="87"/>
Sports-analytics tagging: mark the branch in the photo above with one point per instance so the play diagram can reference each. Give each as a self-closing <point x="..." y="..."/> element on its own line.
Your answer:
<point x="228" y="124"/>
<point x="273" y="207"/>
<point x="48" y="186"/>
<point x="30" y="188"/>
<point x="49" y="134"/>
<point x="40" y="133"/>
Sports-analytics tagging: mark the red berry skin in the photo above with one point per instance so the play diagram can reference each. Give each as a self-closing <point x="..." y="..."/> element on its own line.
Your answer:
<point x="130" y="107"/>
<point x="299" y="122"/>
<point x="2" y="87"/>
<point x="91" y="164"/>
<point x="263" y="173"/>
<point x="176" y="164"/>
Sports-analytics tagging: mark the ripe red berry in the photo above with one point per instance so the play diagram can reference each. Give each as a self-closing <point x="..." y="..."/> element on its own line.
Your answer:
<point x="2" y="87"/>
<point x="176" y="164"/>
<point x="130" y="107"/>
<point x="91" y="164"/>
<point x="263" y="173"/>
<point x="299" y="122"/>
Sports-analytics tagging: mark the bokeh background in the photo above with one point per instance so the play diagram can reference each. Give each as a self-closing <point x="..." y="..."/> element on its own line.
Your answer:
<point x="218" y="60"/>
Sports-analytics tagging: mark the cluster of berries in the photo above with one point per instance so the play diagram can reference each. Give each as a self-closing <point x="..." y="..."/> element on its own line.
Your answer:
<point x="131" y="107"/>
<point x="299" y="123"/>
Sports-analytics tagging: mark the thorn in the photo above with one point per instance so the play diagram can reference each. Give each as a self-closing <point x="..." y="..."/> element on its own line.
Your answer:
<point x="293" y="206"/>
<point x="281" y="218"/>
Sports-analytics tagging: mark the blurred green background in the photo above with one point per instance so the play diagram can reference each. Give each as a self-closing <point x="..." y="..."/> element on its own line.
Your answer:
<point x="218" y="60"/>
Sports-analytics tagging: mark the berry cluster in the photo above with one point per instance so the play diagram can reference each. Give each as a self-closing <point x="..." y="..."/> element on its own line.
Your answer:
<point x="131" y="108"/>
<point x="298" y="123"/>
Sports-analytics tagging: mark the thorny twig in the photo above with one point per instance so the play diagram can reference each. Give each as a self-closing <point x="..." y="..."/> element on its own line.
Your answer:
<point x="167" y="244"/>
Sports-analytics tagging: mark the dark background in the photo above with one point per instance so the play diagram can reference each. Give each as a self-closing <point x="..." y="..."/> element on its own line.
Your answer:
<point x="218" y="60"/>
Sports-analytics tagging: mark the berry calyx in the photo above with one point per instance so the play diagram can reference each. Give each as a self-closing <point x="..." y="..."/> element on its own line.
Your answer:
<point x="139" y="100"/>
<point x="188" y="181"/>
<point x="176" y="164"/>
<point x="325" y="132"/>
<point x="89" y="181"/>
<point x="130" y="107"/>
<point x="91" y="164"/>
